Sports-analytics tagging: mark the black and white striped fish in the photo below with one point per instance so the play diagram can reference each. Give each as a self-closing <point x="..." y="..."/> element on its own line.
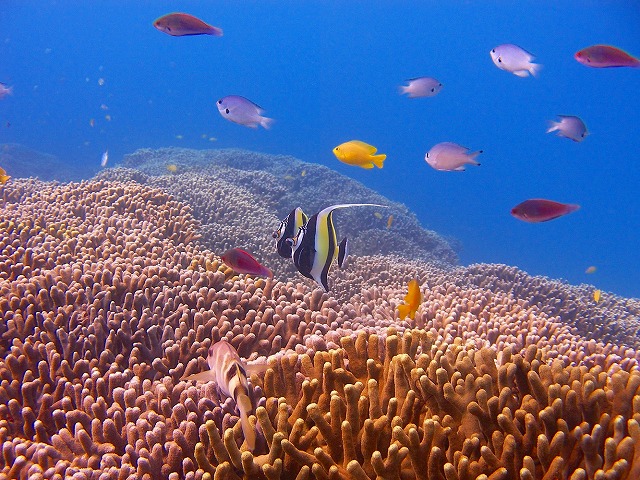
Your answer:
<point x="230" y="373"/>
<point x="288" y="229"/>
<point x="315" y="247"/>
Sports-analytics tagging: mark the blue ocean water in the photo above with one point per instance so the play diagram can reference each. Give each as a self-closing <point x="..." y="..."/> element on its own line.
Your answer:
<point x="329" y="72"/>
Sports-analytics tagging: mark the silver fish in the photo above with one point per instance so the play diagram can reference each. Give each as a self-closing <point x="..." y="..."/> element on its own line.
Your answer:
<point x="569" y="126"/>
<point x="243" y="111"/>
<point x="421" y="87"/>
<point x="449" y="156"/>
<point x="514" y="59"/>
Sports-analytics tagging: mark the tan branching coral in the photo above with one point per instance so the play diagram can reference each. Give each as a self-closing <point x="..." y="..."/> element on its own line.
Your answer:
<point x="107" y="304"/>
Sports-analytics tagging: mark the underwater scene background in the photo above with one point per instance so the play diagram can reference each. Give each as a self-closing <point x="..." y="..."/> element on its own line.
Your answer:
<point x="138" y="338"/>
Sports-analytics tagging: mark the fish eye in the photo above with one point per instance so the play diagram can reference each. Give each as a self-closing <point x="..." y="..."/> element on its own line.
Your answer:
<point x="493" y="51"/>
<point x="275" y="234"/>
<point x="433" y="89"/>
<point x="289" y="241"/>
<point x="220" y="102"/>
<point x="227" y="110"/>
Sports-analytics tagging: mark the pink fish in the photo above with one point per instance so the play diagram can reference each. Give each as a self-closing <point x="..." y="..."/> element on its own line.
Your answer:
<point x="242" y="262"/>
<point x="603" y="56"/>
<point x="449" y="156"/>
<point x="4" y="90"/>
<point x="539" y="210"/>
<point x="181" y="24"/>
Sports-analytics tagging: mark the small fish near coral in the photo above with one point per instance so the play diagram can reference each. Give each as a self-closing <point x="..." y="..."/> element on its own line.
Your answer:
<point x="412" y="301"/>
<point x="241" y="261"/>
<point x="183" y="24"/>
<point x="359" y="154"/>
<point x="104" y="159"/>
<point x="315" y="246"/>
<point x="227" y="369"/>
<point x="596" y="295"/>
<point x="4" y="178"/>
<point x="287" y="230"/>
<point x="243" y="111"/>
<point x="421" y="87"/>
<point x="451" y="157"/>
<point x="514" y="59"/>
<point x="537" y="210"/>
<point x="605" y="56"/>
<point x="570" y="127"/>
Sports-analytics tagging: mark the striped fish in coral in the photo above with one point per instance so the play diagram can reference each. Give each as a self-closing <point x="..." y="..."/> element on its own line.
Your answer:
<point x="230" y="374"/>
<point x="288" y="229"/>
<point x="315" y="247"/>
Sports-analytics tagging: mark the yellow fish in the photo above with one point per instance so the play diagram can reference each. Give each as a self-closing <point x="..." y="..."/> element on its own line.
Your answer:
<point x="596" y="295"/>
<point x="591" y="269"/>
<point x="359" y="154"/>
<point x="3" y="176"/>
<point x="412" y="300"/>
<point x="172" y="168"/>
<point x="389" y="221"/>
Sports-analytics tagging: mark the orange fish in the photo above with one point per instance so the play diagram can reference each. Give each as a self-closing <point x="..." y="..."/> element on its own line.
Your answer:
<point x="412" y="300"/>
<point x="181" y="24"/>
<point x="3" y="176"/>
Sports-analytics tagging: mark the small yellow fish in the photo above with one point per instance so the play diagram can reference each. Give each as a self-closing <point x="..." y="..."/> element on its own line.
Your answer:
<point x="359" y="154"/>
<point x="3" y="176"/>
<point x="172" y="168"/>
<point x="591" y="269"/>
<point x="378" y="215"/>
<point x="303" y="173"/>
<point x="107" y="118"/>
<point x="389" y="221"/>
<point x="412" y="300"/>
<point x="288" y="177"/>
<point x="596" y="295"/>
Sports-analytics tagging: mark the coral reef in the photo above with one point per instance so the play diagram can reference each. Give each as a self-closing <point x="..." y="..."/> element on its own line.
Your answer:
<point x="109" y="298"/>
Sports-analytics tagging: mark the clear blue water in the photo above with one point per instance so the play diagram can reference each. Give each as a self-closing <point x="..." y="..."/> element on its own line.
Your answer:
<point x="329" y="72"/>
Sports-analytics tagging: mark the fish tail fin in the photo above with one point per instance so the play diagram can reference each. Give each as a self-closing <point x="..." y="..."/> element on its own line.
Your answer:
<point x="244" y="405"/>
<point x="378" y="160"/>
<point x="473" y="156"/>
<point x="534" y="69"/>
<point x="402" y="89"/>
<point x="343" y="251"/>
<point x="552" y="126"/>
<point x="403" y="311"/>
<point x="266" y="122"/>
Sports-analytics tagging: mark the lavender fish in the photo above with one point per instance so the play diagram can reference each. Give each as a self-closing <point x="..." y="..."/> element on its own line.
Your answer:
<point x="514" y="59"/>
<point x="421" y="87"/>
<point x="243" y="111"/>
<point x="449" y="156"/>
<point x="569" y="126"/>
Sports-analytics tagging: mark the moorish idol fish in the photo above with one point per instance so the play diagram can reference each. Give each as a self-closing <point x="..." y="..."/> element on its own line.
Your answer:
<point x="288" y="229"/>
<point x="315" y="247"/>
<point x="230" y="373"/>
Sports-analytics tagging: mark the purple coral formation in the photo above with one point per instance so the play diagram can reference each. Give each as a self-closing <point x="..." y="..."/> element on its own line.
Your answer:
<point x="109" y="296"/>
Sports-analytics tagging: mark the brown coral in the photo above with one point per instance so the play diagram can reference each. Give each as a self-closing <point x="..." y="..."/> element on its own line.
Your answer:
<point x="107" y="304"/>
